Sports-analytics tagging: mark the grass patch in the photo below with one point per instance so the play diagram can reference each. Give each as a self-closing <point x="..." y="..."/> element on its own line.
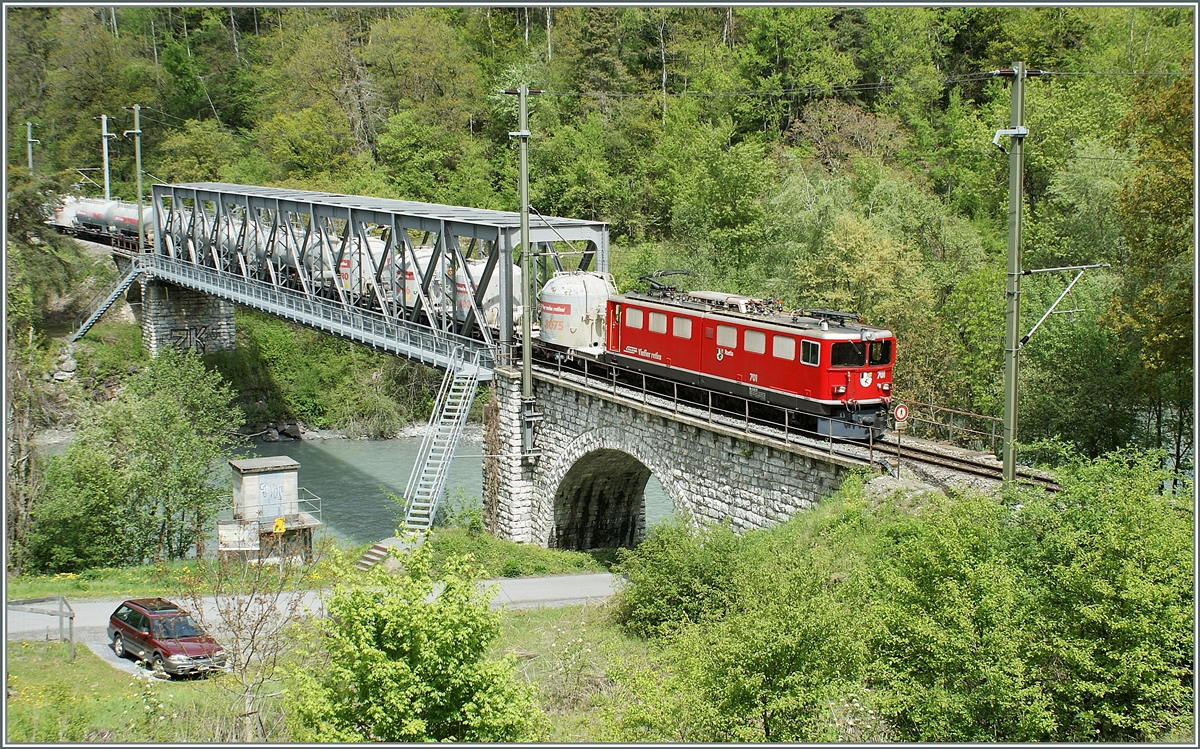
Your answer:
<point x="147" y="580"/>
<point x="164" y="579"/>
<point x="53" y="699"/>
<point x="566" y="652"/>
<point x="111" y="349"/>
<point x="501" y="558"/>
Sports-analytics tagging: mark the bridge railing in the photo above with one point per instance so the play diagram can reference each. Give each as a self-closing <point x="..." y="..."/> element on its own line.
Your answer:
<point x="977" y="432"/>
<point x="412" y="340"/>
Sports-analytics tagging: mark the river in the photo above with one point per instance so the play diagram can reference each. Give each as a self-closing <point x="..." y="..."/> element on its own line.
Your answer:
<point x="353" y="479"/>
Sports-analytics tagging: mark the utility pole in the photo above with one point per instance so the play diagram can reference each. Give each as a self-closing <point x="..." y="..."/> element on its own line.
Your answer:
<point x="29" y="141"/>
<point x="528" y="415"/>
<point x="1012" y="295"/>
<point x="137" y="150"/>
<point x="104" y="136"/>
<point x="526" y="266"/>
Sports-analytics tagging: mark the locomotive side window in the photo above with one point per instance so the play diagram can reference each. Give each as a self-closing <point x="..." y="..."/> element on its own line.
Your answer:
<point x="727" y="336"/>
<point x="783" y="347"/>
<point x="633" y="318"/>
<point x="849" y="354"/>
<point x="756" y="341"/>
<point x="658" y="322"/>
<point x="681" y="327"/>
<point x="810" y="352"/>
<point x="880" y="354"/>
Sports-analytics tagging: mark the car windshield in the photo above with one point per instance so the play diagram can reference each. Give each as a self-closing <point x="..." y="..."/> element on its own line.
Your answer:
<point x="177" y="627"/>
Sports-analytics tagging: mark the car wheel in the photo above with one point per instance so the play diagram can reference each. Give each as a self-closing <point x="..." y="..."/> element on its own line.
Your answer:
<point x="159" y="666"/>
<point x="118" y="646"/>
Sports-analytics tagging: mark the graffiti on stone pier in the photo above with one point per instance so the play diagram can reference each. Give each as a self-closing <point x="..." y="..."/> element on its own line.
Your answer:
<point x="190" y="338"/>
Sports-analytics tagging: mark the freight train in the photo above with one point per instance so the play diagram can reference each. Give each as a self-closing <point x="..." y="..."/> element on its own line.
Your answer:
<point x="826" y="370"/>
<point x="116" y="221"/>
<point x="96" y="215"/>
<point x="823" y="370"/>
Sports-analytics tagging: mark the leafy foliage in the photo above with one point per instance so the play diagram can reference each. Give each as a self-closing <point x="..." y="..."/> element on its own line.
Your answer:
<point x="136" y="483"/>
<point x="403" y="662"/>
<point x="284" y="371"/>
<point x="1033" y="617"/>
<point x="815" y="155"/>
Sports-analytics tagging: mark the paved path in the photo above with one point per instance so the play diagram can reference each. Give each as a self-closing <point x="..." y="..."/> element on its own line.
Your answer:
<point x="91" y="616"/>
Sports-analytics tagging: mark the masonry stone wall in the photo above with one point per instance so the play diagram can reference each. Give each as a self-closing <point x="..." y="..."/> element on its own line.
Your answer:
<point x="182" y="318"/>
<point x="586" y="490"/>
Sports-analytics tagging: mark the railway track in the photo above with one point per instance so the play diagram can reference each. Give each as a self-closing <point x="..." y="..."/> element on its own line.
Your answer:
<point x="880" y="454"/>
<point x="940" y="456"/>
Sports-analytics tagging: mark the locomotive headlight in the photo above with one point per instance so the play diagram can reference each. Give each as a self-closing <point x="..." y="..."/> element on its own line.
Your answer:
<point x="839" y="389"/>
<point x="885" y="387"/>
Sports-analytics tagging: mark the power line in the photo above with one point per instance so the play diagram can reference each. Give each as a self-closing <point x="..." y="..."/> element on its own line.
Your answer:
<point x="1118" y="72"/>
<point x="165" y="114"/>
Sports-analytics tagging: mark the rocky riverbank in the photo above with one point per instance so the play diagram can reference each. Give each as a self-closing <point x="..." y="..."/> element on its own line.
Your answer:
<point x="291" y="431"/>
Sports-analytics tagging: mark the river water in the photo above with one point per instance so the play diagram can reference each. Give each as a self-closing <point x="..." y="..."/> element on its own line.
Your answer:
<point x="353" y="479"/>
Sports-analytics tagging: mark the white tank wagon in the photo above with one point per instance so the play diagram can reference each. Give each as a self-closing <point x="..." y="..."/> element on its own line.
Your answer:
<point x="574" y="309"/>
<point x="65" y="214"/>
<point x="467" y="280"/>
<point x="125" y="219"/>
<point x="110" y="216"/>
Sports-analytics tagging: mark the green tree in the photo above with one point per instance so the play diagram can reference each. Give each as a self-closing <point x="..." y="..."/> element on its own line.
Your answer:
<point x="953" y="644"/>
<point x="791" y="55"/>
<point x="136" y="483"/>
<point x="1075" y="364"/>
<point x="719" y="208"/>
<point x="1109" y="563"/>
<point x="403" y="660"/>
<point x="198" y="153"/>
<point x="418" y="60"/>
<point x="1156" y="307"/>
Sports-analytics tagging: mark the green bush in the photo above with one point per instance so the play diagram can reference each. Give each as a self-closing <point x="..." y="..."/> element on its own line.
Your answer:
<point x="500" y="558"/>
<point x="679" y="573"/>
<point x="1029" y="617"/>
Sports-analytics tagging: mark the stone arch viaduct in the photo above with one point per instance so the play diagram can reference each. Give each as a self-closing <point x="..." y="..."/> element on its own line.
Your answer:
<point x="598" y="450"/>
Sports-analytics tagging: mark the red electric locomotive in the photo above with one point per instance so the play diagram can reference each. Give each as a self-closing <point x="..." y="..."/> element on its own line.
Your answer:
<point x="826" y="365"/>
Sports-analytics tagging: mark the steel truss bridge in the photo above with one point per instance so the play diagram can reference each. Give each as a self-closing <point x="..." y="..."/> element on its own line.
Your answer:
<point x="433" y="283"/>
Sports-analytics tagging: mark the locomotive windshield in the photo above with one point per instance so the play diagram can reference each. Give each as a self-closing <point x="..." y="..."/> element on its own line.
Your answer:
<point x="880" y="354"/>
<point x="848" y="354"/>
<point x="856" y="354"/>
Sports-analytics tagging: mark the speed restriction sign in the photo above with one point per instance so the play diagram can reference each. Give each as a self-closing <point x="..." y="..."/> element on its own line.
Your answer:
<point x="901" y="413"/>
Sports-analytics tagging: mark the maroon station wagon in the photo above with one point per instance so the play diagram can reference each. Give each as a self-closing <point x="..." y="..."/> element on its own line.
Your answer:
<point x="165" y="636"/>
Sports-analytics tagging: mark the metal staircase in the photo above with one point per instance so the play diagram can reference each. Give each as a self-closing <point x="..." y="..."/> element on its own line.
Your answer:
<point x="428" y="478"/>
<point x="122" y="285"/>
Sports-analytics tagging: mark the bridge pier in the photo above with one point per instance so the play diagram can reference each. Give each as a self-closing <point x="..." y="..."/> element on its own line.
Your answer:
<point x="182" y="318"/>
<point x="587" y="488"/>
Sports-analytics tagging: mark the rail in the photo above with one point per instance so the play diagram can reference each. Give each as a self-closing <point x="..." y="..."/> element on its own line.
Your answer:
<point x="963" y="428"/>
<point x="64" y="611"/>
<point x="396" y="336"/>
<point x="885" y="453"/>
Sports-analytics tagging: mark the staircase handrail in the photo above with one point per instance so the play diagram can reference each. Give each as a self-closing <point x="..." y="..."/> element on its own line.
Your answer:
<point x="97" y="301"/>
<point x="468" y="376"/>
<point x="414" y="478"/>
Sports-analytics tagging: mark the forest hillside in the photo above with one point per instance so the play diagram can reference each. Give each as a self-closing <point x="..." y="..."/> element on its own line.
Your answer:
<point x="833" y="157"/>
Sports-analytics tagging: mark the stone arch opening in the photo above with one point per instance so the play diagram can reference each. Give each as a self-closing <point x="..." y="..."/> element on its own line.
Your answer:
<point x="600" y="502"/>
